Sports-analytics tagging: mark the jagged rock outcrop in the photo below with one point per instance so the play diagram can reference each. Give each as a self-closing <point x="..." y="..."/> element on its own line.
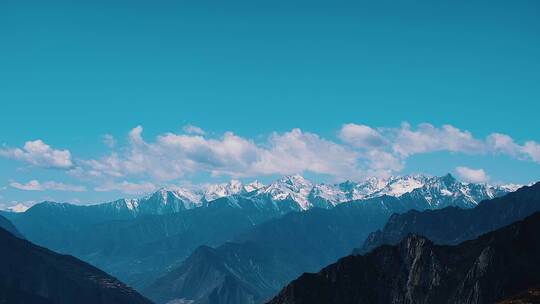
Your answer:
<point x="530" y="296"/>
<point x="485" y="270"/>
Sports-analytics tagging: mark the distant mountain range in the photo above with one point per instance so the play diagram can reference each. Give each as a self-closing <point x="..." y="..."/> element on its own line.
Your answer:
<point x="440" y="192"/>
<point x="263" y="259"/>
<point x="32" y="274"/>
<point x="305" y="193"/>
<point x="453" y="225"/>
<point x="141" y="240"/>
<point x="491" y="268"/>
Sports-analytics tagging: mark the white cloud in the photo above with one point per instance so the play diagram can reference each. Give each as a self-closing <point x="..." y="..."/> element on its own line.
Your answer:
<point x="365" y="150"/>
<point x="40" y="154"/>
<point x="297" y="151"/>
<point x="128" y="187"/>
<point x="32" y="185"/>
<point x="502" y="143"/>
<point x="109" y="140"/>
<point x="15" y="206"/>
<point x="532" y="149"/>
<point x="135" y="135"/>
<point x="35" y="185"/>
<point x="428" y="138"/>
<point x="172" y="156"/>
<point x="472" y="175"/>
<point x="362" y="136"/>
<point x="368" y="150"/>
<point x="191" y="129"/>
<point x="384" y="160"/>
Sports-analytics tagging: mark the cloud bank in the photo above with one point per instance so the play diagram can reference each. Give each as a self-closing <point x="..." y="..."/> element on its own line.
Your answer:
<point x="39" y="154"/>
<point x="358" y="151"/>
<point x="35" y="185"/>
<point x="472" y="175"/>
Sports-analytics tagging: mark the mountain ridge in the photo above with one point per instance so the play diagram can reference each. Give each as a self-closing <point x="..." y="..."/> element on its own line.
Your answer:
<point x="138" y="249"/>
<point x="490" y="268"/>
<point x="306" y="193"/>
<point x="294" y="243"/>
<point x="452" y="225"/>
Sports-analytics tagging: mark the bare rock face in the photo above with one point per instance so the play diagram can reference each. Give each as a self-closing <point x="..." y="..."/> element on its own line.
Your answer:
<point x="530" y="296"/>
<point x="488" y="269"/>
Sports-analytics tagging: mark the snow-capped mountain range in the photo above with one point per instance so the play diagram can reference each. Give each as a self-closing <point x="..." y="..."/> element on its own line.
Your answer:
<point x="437" y="191"/>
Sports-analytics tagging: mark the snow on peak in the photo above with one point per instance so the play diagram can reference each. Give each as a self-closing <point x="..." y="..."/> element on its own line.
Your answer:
<point x="189" y="197"/>
<point x="438" y="191"/>
<point x="254" y="185"/>
<point x="132" y="204"/>
<point x="294" y="181"/>
<point x="293" y="187"/>
<point x="510" y="187"/>
<point x="397" y="186"/>
<point x="216" y="191"/>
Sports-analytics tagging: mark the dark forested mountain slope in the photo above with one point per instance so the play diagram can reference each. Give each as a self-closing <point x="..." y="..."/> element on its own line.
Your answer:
<point x="453" y="225"/>
<point x="485" y="270"/>
<point x="32" y="274"/>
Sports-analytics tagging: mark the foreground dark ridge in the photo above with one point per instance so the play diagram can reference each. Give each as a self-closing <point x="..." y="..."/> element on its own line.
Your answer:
<point x="493" y="267"/>
<point x="452" y="225"/>
<point x="32" y="274"/>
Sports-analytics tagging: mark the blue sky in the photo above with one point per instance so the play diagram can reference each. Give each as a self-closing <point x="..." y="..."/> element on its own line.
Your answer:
<point x="72" y="72"/>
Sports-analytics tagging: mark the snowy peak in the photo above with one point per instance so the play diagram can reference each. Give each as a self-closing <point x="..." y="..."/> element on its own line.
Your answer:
<point x="175" y="199"/>
<point x="294" y="181"/>
<point x="298" y="193"/>
<point x="254" y="185"/>
<point x="448" y="179"/>
<point x="446" y="191"/>
<point x="291" y="187"/>
<point x="437" y="191"/>
<point x="397" y="186"/>
<point x="215" y="191"/>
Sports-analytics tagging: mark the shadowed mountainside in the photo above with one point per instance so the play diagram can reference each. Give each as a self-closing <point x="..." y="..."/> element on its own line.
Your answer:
<point x="493" y="267"/>
<point x="453" y="225"/>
